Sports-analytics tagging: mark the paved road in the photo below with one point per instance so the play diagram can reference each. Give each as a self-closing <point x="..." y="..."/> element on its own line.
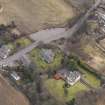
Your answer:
<point x="57" y="35"/>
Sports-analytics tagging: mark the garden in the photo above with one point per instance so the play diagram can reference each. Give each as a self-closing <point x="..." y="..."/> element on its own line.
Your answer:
<point x="41" y="64"/>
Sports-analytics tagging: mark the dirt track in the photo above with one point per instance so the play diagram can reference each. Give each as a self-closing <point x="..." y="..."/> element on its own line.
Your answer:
<point x="10" y="96"/>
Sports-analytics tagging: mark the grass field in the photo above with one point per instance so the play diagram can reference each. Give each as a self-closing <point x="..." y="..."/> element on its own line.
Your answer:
<point x="56" y="89"/>
<point x="91" y="78"/>
<point x="33" y="15"/>
<point x="41" y="64"/>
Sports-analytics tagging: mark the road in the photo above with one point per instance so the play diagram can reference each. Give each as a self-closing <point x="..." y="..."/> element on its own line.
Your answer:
<point x="46" y="36"/>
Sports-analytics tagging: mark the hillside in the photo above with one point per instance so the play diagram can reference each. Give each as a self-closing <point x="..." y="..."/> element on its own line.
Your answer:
<point x="33" y="15"/>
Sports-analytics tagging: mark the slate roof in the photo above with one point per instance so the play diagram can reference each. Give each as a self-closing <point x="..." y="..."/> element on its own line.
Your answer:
<point x="47" y="55"/>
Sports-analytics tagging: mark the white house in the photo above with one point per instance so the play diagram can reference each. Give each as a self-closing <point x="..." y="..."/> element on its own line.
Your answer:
<point x="72" y="77"/>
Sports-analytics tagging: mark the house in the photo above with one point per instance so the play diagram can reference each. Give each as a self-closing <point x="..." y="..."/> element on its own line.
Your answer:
<point x="4" y="52"/>
<point x="72" y="77"/>
<point x="47" y="55"/>
<point x="15" y="76"/>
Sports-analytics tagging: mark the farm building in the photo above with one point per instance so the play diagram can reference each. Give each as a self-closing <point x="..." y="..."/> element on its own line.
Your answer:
<point x="47" y="55"/>
<point x="15" y="76"/>
<point x="72" y="77"/>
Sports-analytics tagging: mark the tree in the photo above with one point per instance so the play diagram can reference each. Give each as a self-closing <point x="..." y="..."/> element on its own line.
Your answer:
<point x="72" y="65"/>
<point x="71" y="102"/>
<point x="65" y="91"/>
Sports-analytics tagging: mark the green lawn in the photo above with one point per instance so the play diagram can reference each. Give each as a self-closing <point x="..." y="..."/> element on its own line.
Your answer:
<point x="56" y="89"/>
<point x="91" y="78"/>
<point x="41" y="64"/>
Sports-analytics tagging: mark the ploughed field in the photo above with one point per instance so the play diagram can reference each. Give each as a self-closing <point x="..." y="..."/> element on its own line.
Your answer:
<point x="10" y="96"/>
<point x="33" y="15"/>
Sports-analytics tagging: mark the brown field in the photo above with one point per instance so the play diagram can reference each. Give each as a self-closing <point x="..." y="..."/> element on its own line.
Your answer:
<point x="33" y="15"/>
<point x="10" y="96"/>
<point x="88" y="50"/>
<point x="97" y="56"/>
